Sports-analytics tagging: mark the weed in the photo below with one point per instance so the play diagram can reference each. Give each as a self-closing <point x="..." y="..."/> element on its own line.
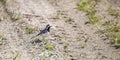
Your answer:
<point x="1" y="41"/>
<point x="83" y="45"/>
<point x="93" y="19"/>
<point x="113" y="32"/>
<point x="88" y="7"/>
<point x="107" y="23"/>
<point x="49" y="47"/>
<point x="0" y="20"/>
<point x="65" y="45"/>
<point x="116" y="38"/>
<point x="29" y="29"/>
<point x="2" y="38"/>
<point x="117" y="42"/>
<point x="3" y="2"/>
<point x="16" y="56"/>
<point x="113" y="29"/>
<point x="69" y="20"/>
<point x="57" y="15"/>
<point x="113" y="12"/>
<point x="16" y="16"/>
<point x="84" y="6"/>
<point x="51" y="53"/>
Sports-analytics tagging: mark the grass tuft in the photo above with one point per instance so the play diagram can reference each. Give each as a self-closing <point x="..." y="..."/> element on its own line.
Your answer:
<point x="16" y="17"/>
<point x="88" y="6"/>
<point x="16" y="56"/>
<point x="57" y="15"/>
<point x="29" y="29"/>
<point x="93" y="19"/>
<point x="113" y="12"/>
<point x="84" y="5"/>
<point x="2" y="38"/>
<point x="113" y="33"/>
<point x="65" y="45"/>
<point x="49" y="47"/>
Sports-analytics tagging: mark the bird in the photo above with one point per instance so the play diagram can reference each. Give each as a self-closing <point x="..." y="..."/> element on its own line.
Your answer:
<point x="43" y="32"/>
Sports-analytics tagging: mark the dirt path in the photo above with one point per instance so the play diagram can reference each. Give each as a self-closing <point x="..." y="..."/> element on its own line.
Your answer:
<point x="71" y="37"/>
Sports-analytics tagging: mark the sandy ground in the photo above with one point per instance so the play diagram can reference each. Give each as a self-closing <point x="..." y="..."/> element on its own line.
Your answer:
<point x="72" y="40"/>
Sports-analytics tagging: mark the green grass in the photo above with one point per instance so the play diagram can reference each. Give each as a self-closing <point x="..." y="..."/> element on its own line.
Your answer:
<point x="16" y="16"/>
<point x="88" y="6"/>
<point x="114" y="29"/>
<point x="1" y="41"/>
<point x="3" y="1"/>
<point x="117" y="42"/>
<point x="116" y="38"/>
<point x="84" y="5"/>
<point x="30" y="29"/>
<point x="113" y="33"/>
<point x="94" y="19"/>
<point x="106" y="23"/>
<point x="57" y="15"/>
<point x="49" y="47"/>
<point x="83" y="45"/>
<point x="113" y="12"/>
<point x="65" y="45"/>
<point x="2" y="38"/>
<point x="69" y="20"/>
<point x="16" y="56"/>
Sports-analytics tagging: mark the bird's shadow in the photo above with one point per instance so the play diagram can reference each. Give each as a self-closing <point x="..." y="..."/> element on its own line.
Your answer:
<point x="36" y="41"/>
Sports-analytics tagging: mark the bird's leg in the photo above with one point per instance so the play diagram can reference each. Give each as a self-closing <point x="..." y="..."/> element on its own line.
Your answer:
<point x="43" y="39"/>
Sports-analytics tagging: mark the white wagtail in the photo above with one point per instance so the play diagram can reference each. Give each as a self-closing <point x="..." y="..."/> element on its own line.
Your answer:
<point x="44" y="32"/>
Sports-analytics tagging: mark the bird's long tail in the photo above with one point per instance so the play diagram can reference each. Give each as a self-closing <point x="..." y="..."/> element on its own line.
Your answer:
<point x="35" y="36"/>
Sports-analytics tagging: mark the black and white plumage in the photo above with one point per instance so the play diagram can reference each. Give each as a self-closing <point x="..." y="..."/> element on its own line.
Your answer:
<point x="44" y="32"/>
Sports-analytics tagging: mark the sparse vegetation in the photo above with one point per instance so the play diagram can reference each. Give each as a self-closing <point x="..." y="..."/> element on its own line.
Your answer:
<point x="115" y="35"/>
<point x="30" y="29"/>
<point x="49" y="47"/>
<point x="69" y="20"/>
<point x="2" y="38"/>
<point x="57" y="15"/>
<point x="1" y="41"/>
<point x="83" y="45"/>
<point x="84" y="5"/>
<point x="111" y="30"/>
<point x="16" y="56"/>
<point x="113" y="12"/>
<point x="2" y="1"/>
<point x="89" y="7"/>
<point x="117" y="42"/>
<point x="65" y="45"/>
<point x="16" y="16"/>
<point x="93" y="18"/>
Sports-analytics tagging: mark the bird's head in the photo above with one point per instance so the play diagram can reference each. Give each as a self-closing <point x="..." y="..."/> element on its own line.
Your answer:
<point x="48" y="27"/>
